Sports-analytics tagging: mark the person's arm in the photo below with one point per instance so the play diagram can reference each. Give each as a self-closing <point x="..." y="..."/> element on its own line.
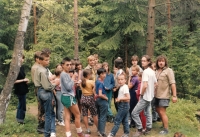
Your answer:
<point x="125" y="98"/>
<point x="174" y="94"/>
<point x="102" y="95"/>
<point x="21" y="80"/>
<point x="144" y="87"/>
<point x="45" y="82"/>
<point x="131" y="83"/>
<point x="172" y="82"/>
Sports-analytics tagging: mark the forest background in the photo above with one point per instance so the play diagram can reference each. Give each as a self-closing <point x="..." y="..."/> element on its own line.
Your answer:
<point x="109" y="28"/>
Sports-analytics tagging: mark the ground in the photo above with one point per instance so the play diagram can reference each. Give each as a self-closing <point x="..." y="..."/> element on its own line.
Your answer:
<point x="60" y="130"/>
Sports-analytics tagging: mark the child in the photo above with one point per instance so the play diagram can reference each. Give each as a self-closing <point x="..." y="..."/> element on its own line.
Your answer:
<point x="134" y="62"/>
<point x="87" y="99"/>
<point x="119" y="68"/>
<point x="133" y="85"/>
<point x="59" y="105"/>
<point x="109" y="83"/>
<point x="101" y="101"/>
<point x="123" y="107"/>
<point x="68" y="98"/>
<point x="45" y="93"/>
<point x="142" y="115"/>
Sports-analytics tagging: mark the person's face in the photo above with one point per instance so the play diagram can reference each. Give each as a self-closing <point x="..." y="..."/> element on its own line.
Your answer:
<point x="67" y="66"/>
<point x="45" y="61"/>
<point x="96" y="60"/>
<point x="161" y="63"/>
<point x="59" y="67"/>
<point x="134" y="72"/>
<point x="145" y="63"/>
<point x="105" y="67"/>
<point x="154" y="67"/>
<point x="91" y="62"/>
<point x="134" y="62"/>
<point x="115" y="70"/>
<point x="103" y="75"/>
<point x="79" y="67"/>
<point x="73" y="66"/>
<point x="121" y="80"/>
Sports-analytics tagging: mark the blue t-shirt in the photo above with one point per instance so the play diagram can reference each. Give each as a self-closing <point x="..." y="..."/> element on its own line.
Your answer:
<point x="99" y="85"/>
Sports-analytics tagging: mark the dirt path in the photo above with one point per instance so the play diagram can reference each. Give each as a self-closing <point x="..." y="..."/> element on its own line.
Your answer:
<point x="60" y="130"/>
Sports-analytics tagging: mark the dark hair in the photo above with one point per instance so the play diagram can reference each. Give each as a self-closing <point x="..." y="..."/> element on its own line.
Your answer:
<point x="86" y="72"/>
<point x="58" y="65"/>
<point x="119" y="63"/>
<point x="71" y="71"/>
<point x="161" y="57"/>
<point x="106" y="63"/>
<point x="100" y="71"/>
<point x="23" y="57"/>
<point x="66" y="59"/>
<point x="140" y="74"/>
<point x="43" y="55"/>
<point x="47" y="50"/>
<point x="57" y="72"/>
<point x="148" y="58"/>
<point x="77" y="64"/>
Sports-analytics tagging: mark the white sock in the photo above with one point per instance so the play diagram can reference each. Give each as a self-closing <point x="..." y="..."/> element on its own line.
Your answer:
<point x="68" y="134"/>
<point x="79" y="130"/>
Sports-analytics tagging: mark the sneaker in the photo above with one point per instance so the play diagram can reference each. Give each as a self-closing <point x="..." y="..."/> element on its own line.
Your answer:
<point x="83" y="135"/>
<point x="125" y="135"/>
<point x="138" y="134"/>
<point x="110" y="135"/>
<point x="164" y="132"/>
<point x="90" y="123"/>
<point x="61" y="123"/>
<point x="88" y="131"/>
<point x="147" y="131"/>
<point x="53" y="135"/>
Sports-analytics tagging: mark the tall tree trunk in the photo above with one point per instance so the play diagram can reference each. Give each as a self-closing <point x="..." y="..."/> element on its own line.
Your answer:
<point x="15" y="63"/>
<point x="76" y="29"/>
<point x="151" y="28"/>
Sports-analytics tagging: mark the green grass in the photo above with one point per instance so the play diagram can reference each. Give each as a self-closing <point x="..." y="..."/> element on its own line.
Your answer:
<point x="181" y="119"/>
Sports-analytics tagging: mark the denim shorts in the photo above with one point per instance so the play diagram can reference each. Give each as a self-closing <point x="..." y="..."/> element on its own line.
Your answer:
<point x="68" y="101"/>
<point x="161" y="102"/>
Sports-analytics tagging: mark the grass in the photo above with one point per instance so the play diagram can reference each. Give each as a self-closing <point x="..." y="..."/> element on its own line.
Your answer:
<point x="181" y="119"/>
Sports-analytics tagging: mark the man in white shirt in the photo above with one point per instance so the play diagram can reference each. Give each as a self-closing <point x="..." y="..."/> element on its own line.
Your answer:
<point x="146" y="95"/>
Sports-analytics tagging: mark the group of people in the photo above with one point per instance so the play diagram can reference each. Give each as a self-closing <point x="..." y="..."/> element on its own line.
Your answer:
<point x="86" y="94"/>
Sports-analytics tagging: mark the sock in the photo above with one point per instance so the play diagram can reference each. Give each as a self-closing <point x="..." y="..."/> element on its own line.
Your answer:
<point x="79" y="130"/>
<point x="68" y="134"/>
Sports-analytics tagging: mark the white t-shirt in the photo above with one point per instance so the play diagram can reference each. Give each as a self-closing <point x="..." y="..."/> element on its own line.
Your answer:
<point x="149" y="77"/>
<point x="123" y="90"/>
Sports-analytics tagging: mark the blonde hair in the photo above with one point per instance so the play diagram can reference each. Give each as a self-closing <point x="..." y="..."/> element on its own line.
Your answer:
<point x="136" y="68"/>
<point x="91" y="57"/>
<point x="96" y="56"/>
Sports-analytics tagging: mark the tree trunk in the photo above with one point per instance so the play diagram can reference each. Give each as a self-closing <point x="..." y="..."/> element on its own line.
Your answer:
<point x="15" y="63"/>
<point x="76" y="29"/>
<point x="151" y="28"/>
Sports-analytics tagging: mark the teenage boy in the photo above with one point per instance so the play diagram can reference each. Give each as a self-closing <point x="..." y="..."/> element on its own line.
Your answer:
<point x="40" y="128"/>
<point x="68" y="98"/>
<point x="45" y="94"/>
<point x="166" y="84"/>
<point x="146" y="95"/>
<point x="91" y="65"/>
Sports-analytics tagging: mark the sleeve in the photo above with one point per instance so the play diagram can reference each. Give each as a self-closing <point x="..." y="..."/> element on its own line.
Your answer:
<point x="126" y="89"/>
<point x="46" y="84"/>
<point x="67" y="82"/>
<point x="171" y="77"/>
<point x="145" y="76"/>
<point x="112" y="83"/>
<point x="133" y="81"/>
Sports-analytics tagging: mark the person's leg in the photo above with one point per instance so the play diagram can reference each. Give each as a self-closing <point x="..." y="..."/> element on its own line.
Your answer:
<point x="162" y="112"/>
<point x="67" y="119"/>
<point x="93" y="110"/>
<point x="103" y="108"/>
<point x="143" y="119"/>
<point x="136" y="111"/>
<point x="148" y="115"/>
<point x="75" y="110"/>
<point x="59" y="109"/>
<point x="53" y="127"/>
<point x="21" y="110"/>
<point x="84" y="111"/>
<point x="109" y="95"/>
<point x="126" y="124"/>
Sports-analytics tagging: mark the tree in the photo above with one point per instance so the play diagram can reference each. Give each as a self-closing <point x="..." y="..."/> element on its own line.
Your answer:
<point x="15" y="63"/>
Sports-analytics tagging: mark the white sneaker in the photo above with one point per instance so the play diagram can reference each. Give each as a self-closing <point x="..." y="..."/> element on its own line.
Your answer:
<point x="61" y="123"/>
<point x="53" y="135"/>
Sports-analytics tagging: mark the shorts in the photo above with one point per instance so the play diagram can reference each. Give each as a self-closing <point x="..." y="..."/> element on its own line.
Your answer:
<point x="161" y="102"/>
<point x="68" y="101"/>
<point x="88" y="103"/>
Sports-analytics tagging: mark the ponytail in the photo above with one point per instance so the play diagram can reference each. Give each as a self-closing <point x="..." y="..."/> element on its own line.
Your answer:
<point x="83" y="83"/>
<point x="86" y="72"/>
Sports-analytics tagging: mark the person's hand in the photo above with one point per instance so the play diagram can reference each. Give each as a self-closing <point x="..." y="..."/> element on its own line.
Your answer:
<point x="117" y="100"/>
<point x="26" y="80"/>
<point x="174" y="99"/>
<point x="106" y="88"/>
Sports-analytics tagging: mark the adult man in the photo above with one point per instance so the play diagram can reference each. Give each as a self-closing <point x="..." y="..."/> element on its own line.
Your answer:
<point x="146" y="95"/>
<point x="40" y="127"/>
<point x="166" y="84"/>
